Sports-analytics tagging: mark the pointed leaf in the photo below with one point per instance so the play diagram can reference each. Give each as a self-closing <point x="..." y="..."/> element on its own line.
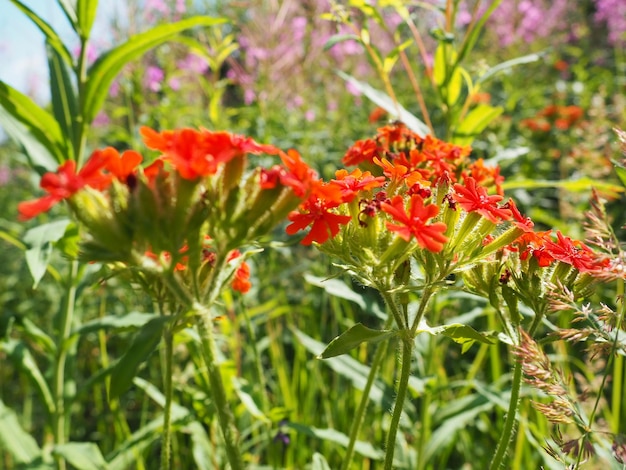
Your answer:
<point x="20" y="355"/>
<point x="37" y="121"/>
<point x="40" y="240"/>
<point x="115" y="322"/>
<point x="18" y="443"/>
<point x="319" y="462"/>
<point x="337" y="38"/>
<point x="352" y="338"/>
<point x="142" y="346"/>
<point x="51" y="36"/>
<point x="620" y="171"/>
<point x="39" y="157"/>
<point x="102" y="73"/>
<point x="82" y="455"/>
<point x="86" y="14"/>
<point x="457" y="332"/>
<point x="69" y="9"/>
<point x="62" y="93"/>
<point x="384" y="101"/>
<point x="475" y="122"/>
<point x="504" y="66"/>
<point x="579" y="185"/>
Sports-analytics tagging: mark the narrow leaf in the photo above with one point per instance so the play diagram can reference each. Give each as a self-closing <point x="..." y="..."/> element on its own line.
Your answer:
<point x="337" y="38"/>
<point x="457" y="332"/>
<point x="40" y="240"/>
<point x="18" y="443"/>
<point x="82" y="455"/>
<point x="620" y="171"/>
<point x="352" y="338"/>
<point x="102" y="73"/>
<point x="51" y="36"/>
<point x="115" y="322"/>
<point x="579" y="185"/>
<point x="475" y="122"/>
<point x="319" y="462"/>
<point x="38" y="156"/>
<point x="504" y="66"/>
<point x="62" y="93"/>
<point x="69" y="9"/>
<point x="384" y="101"/>
<point x="330" y="435"/>
<point x="37" y="121"/>
<point x="142" y="346"/>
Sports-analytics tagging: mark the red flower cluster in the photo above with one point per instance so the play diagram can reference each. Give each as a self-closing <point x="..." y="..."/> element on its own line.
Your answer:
<point x="554" y="116"/>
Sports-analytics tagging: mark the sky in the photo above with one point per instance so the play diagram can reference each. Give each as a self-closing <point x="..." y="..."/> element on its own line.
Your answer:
<point x="22" y="51"/>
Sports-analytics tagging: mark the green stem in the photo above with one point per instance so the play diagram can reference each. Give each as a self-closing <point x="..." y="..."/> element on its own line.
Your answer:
<point x="166" y="444"/>
<point x="407" y="351"/>
<point x="218" y="393"/>
<point x="61" y="359"/>
<point x="379" y="355"/>
<point x="509" y="423"/>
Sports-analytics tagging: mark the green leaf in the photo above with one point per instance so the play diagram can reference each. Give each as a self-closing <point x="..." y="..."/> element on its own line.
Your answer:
<point x="455" y="85"/>
<point x="384" y="101"/>
<point x="247" y="400"/>
<point x="352" y="338"/>
<point x="440" y="66"/>
<point x="20" y="355"/>
<point x="470" y="40"/>
<point x="579" y="185"/>
<point x="340" y="289"/>
<point x="143" y="345"/>
<point x="82" y="455"/>
<point x="18" y="443"/>
<point x="50" y="34"/>
<point x="37" y="121"/>
<point x="69" y="9"/>
<point x="365" y="449"/>
<point x="475" y="122"/>
<point x="63" y="97"/>
<point x="40" y="240"/>
<point x="392" y="57"/>
<point x="86" y="13"/>
<point x="104" y="70"/>
<point x="319" y="462"/>
<point x="620" y="171"/>
<point x="118" y="323"/>
<point x="337" y="38"/>
<point x="38" y="336"/>
<point x="462" y="334"/>
<point x="504" y="66"/>
<point x="39" y="157"/>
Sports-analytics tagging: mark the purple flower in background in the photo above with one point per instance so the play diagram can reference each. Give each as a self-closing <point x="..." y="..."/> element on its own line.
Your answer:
<point x="114" y="90"/>
<point x="5" y="174"/>
<point x="91" y="55"/>
<point x="180" y="7"/>
<point x="101" y="120"/>
<point x="613" y="12"/>
<point x="193" y="63"/>
<point x="174" y="83"/>
<point x="154" y="77"/>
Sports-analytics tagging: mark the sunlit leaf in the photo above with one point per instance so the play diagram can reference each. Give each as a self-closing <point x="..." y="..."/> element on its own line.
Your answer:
<point x="395" y="110"/>
<point x="352" y="338"/>
<point x="62" y="94"/>
<point x="475" y="122"/>
<point x="337" y="38"/>
<point x="20" y="445"/>
<point x="81" y="455"/>
<point x="104" y="70"/>
<point x="115" y="322"/>
<point x="579" y="185"/>
<point x="86" y="14"/>
<point x="49" y="33"/>
<point x="37" y="121"/>
<point x="40" y="241"/>
<point x="504" y="66"/>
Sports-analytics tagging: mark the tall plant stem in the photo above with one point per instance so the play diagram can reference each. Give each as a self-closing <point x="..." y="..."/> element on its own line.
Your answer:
<point x="379" y="355"/>
<point x="166" y="444"/>
<point x="65" y="328"/>
<point x="218" y="393"/>
<point x="407" y="352"/>
<point x="509" y="422"/>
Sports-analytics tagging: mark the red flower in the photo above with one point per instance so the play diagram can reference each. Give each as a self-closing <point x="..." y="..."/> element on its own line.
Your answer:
<point x="415" y="224"/>
<point x="241" y="281"/>
<point x="199" y="153"/>
<point x="65" y="183"/>
<point x="316" y="212"/>
<point x="120" y="166"/>
<point x="521" y="222"/>
<point x="475" y="198"/>
<point x="361" y="151"/>
<point x="572" y="252"/>
<point x="299" y="176"/>
<point x="351" y="183"/>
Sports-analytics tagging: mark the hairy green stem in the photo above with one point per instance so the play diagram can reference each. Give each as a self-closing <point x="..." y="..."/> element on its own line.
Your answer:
<point x="218" y="393"/>
<point x="166" y="444"/>
<point x="65" y="328"/>
<point x="407" y="351"/>
<point x="509" y="423"/>
<point x="357" y="422"/>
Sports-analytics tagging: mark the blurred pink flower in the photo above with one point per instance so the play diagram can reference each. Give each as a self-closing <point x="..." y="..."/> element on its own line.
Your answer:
<point x="154" y="77"/>
<point x="193" y="63"/>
